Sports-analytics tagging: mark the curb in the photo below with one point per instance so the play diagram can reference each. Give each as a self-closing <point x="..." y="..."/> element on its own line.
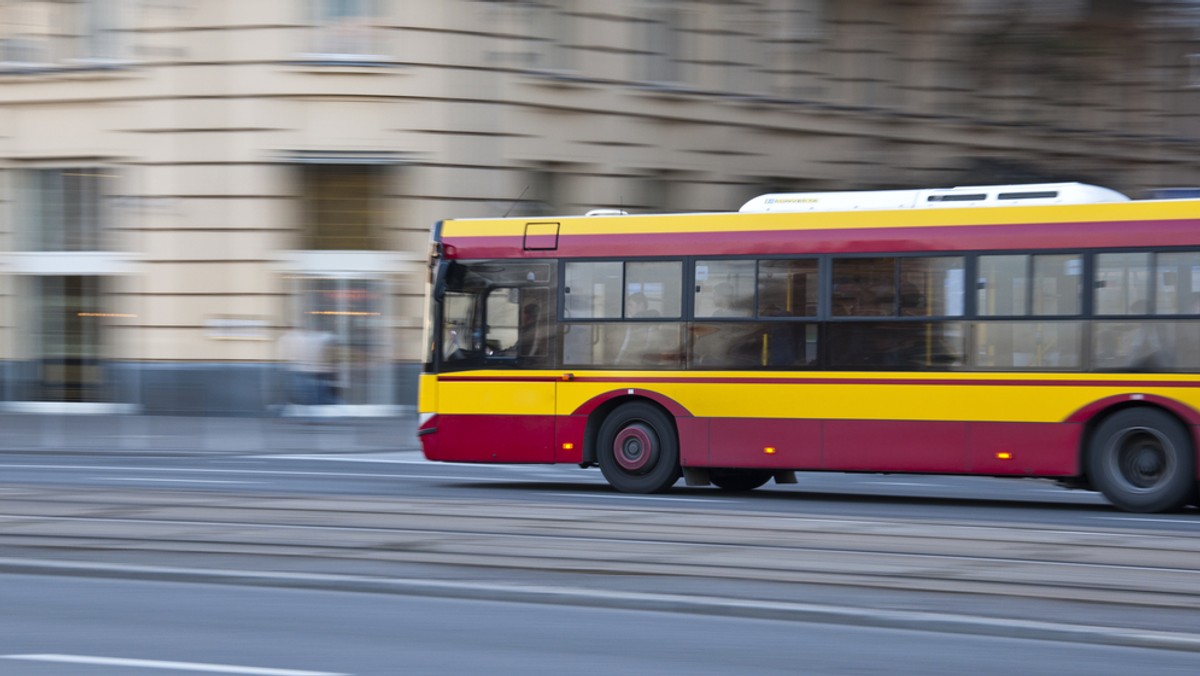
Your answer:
<point x="699" y="605"/>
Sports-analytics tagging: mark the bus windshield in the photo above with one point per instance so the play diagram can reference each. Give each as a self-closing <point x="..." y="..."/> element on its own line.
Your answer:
<point x="495" y="314"/>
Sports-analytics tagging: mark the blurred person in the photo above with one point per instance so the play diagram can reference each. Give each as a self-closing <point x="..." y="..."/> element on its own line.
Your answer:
<point x="308" y="354"/>
<point x="729" y="304"/>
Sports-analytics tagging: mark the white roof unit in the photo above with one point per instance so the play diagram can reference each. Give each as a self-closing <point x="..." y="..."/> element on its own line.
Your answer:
<point x="962" y="196"/>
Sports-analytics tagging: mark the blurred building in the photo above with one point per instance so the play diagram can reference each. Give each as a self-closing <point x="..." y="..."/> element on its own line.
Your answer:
<point x="182" y="181"/>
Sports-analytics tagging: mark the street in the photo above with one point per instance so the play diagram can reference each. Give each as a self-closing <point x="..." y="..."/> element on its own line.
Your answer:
<point x="55" y="627"/>
<point x="295" y="563"/>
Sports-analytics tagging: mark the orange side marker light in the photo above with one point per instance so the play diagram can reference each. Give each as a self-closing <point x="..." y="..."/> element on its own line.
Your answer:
<point x="769" y="450"/>
<point x="1004" y="455"/>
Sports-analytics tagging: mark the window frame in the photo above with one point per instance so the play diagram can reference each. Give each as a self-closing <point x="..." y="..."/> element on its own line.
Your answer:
<point x="825" y="303"/>
<point x="684" y="300"/>
<point x="78" y="35"/>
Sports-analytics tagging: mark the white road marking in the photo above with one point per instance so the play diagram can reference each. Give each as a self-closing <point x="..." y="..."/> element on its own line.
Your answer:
<point x="885" y="482"/>
<point x="394" y="458"/>
<point x="161" y="664"/>
<point x="180" y="481"/>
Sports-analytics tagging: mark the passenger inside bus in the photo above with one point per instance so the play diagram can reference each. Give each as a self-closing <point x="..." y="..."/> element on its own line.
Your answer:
<point x="638" y="338"/>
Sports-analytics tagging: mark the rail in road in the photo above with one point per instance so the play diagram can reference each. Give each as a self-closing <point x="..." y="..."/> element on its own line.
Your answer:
<point x="1110" y="565"/>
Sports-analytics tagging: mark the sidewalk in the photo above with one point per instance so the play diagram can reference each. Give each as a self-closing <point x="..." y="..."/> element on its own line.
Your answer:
<point x="37" y="432"/>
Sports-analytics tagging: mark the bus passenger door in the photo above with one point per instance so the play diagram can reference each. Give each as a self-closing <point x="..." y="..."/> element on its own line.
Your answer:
<point x="518" y="398"/>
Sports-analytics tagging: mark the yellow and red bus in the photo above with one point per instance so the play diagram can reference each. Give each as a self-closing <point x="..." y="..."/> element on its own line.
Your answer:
<point x="1048" y="330"/>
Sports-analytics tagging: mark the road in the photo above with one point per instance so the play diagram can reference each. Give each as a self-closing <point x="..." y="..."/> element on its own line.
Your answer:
<point x="105" y="628"/>
<point x="970" y="559"/>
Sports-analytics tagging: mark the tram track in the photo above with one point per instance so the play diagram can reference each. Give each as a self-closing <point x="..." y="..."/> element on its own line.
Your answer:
<point x="1111" y="565"/>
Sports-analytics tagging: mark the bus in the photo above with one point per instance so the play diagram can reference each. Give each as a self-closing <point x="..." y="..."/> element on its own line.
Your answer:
<point x="1046" y="330"/>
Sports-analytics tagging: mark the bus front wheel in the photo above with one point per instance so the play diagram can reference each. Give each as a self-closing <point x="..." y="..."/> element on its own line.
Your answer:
<point x="1142" y="460"/>
<point x="638" y="450"/>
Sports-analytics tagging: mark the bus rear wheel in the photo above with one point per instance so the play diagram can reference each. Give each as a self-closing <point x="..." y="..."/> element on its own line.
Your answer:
<point x="738" y="480"/>
<point x="637" y="449"/>
<point x="1142" y="460"/>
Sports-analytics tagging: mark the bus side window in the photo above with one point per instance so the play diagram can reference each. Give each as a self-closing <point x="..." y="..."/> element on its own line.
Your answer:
<point x="864" y="287"/>
<point x="1177" y="283"/>
<point x="788" y="287"/>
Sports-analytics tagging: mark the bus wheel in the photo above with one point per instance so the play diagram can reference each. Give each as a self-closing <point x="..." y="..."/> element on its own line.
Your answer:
<point x="1142" y="460"/>
<point x="637" y="449"/>
<point x="738" y="480"/>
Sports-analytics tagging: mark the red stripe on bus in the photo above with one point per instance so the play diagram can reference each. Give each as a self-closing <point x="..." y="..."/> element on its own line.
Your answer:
<point x="930" y="446"/>
<point x="1029" y="236"/>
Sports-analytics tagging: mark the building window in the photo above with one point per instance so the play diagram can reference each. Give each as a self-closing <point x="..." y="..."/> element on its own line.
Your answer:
<point x="346" y="27"/>
<point x="65" y="209"/>
<point x="663" y="42"/>
<point x="554" y="29"/>
<point x="343" y="206"/>
<point x="50" y="33"/>
<point x="794" y="34"/>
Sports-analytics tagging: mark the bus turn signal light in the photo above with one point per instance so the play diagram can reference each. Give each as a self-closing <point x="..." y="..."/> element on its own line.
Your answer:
<point x="1004" y="455"/>
<point x="769" y="450"/>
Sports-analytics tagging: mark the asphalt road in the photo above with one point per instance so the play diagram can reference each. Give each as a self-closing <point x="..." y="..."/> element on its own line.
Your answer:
<point x="408" y="475"/>
<point x="83" y="627"/>
<point x="789" y="575"/>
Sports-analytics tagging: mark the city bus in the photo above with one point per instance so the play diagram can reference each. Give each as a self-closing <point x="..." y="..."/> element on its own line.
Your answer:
<point x="1047" y="330"/>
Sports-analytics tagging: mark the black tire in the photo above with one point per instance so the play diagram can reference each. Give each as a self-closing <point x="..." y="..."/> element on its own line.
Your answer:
<point x="738" y="480"/>
<point x="1142" y="460"/>
<point x="637" y="449"/>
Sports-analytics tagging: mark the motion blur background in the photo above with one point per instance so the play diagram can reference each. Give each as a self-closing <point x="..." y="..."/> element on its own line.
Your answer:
<point x="182" y="181"/>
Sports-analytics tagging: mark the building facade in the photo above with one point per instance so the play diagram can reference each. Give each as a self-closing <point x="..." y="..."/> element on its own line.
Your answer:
<point x="182" y="182"/>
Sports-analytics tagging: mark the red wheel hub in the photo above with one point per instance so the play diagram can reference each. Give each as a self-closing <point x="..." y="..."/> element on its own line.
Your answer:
<point x="634" y="447"/>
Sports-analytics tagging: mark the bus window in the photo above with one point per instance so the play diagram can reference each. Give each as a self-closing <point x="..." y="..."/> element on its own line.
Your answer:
<point x="1057" y="284"/>
<point x="660" y="284"/>
<point x="518" y="325"/>
<point x="1133" y="346"/>
<point x="724" y="288"/>
<point x="745" y="345"/>
<point x="627" y="344"/>
<point x="925" y="286"/>
<point x="1002" y="285"/>
<point x="1122" y="284"/>
<point x="932" y="286"/>
<point x="788" y="288"/>
<point x="1028" y="345"/>
<point x="458" y="337"/>
<point x="864" y="287"/>
<point x="1177" y="283"/>
<point x="593" y="290"/>
<point x="902" y="345"/>
<point x="499" y="311"/>
<point x="604" y="289"/>
<point x="533" y="331"/>
<point x="503" y="312"/>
